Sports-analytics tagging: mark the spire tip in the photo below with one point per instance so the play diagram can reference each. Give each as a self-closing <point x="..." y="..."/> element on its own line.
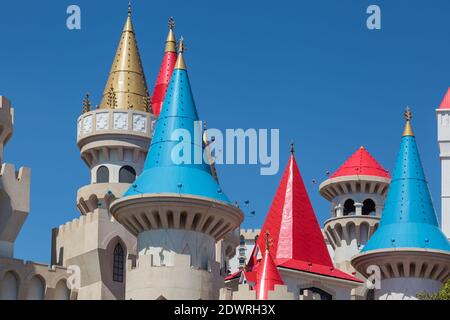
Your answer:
<point x="129" y="8"/>
<point x="408" y="132"/>
<point x="292" y="147"/>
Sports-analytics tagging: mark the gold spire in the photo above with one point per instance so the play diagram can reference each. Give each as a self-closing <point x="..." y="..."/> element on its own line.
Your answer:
<point x="408" y="128"/>
<point x="268" y="243"/>
<point x="171" y="43"/>
<point x="126" y="87"/>
<point x="180" y="60"/>
<point x="86" y="104"/>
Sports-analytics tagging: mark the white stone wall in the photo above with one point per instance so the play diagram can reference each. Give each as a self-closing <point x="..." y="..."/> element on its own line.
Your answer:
<point x="405" y="288"/>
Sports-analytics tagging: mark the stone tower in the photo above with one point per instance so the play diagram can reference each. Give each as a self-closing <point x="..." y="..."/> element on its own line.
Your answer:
<point x="14" y="187"/>
<point x="113" y="140"/>
<point x="357" y="191"/>
<point x="411" y="252"/>
<point x="176" y="208"/>
<point x="443" y="125"/>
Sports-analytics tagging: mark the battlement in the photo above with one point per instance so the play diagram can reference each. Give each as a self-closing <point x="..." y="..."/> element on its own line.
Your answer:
<point x="250" y="234"/>
<point x="244" y="292"/>
<point x="78" y="223"/>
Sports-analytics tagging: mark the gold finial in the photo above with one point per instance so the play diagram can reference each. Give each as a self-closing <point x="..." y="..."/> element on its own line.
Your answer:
<point x="129" y="8"/>
<point x="171" y="42"/>
<point x="292" y="147"/>
<point x="86" y="104"/>
<point x="408" y="132"/>
<point x="180" y="60"/>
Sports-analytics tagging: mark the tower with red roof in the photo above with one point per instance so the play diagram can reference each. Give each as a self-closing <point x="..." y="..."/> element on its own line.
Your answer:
<point x="357" y="191"/>
<point x="443" y="124"/>
<point x="297" y="246"/>
<point x="165" y="71"/>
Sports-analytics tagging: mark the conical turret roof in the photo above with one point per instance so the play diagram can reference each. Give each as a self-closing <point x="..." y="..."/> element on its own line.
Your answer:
<point x="164" y="171"/>
<point x="126" y="87"/>
<point x="361" y="163"/>
<point x="445" y="104"/>
<point x="267" y="276"/>
<point x="408" y="219"/>
<point x="165" y="71"/>
<point x="297" y="240"/>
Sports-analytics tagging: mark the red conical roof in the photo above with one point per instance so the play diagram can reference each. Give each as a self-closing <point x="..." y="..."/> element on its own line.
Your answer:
<point x="297" y="240"/>
<point x="165" y="72"/>
<point x="361" y="163"/>
<point x="292" y="224"/>
<point x="267" y="277"/>
<point x="445" y="104"/>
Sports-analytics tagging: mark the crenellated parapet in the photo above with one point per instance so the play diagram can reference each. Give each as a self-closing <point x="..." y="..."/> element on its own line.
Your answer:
<point x="245" y="292"/>
<point x="148" y="279"/>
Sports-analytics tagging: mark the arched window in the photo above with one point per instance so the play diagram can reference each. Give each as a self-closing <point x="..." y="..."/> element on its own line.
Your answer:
<point x="61" y="291"/>
<point x="242" y="240"/>
<point x="321" y="293"/>
<point x="36" y="289"/>
<point x="349" y="207"/>
<point x="368" y="207"/>
<point x="127" y="174"/>
<point x="370" y="294"/>
<point x="102" y="175"/>
<point x="118" y="263"/>
<point x="9" y="287"/>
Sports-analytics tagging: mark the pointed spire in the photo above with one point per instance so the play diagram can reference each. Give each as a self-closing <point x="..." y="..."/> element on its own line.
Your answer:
<point x="177" y="162"/>
<point x="408" y="219"/>
<point x="267" y="275"/>
<point x="408" y="128"/>
<point x="171" y="42"/>
<point x="165" y="71"/>
<point x="292" y="222"/>
<point x="126" y="81"/>
<point x="86" y="104"/>
<point x="180" y="60"/>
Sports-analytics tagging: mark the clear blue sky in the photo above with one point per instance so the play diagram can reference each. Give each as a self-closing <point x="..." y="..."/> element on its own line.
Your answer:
<point x="310" y="68"/>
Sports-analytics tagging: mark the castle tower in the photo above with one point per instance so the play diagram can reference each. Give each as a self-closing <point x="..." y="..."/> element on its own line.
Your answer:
<point x="357" y="191"/>
<point x="443" y="125"/>
<point x="165" y="71"/>
<point x="14" y="187"/>
<point x="298" y="247"/>
<point x="409" y="248"/>
<point x="176" y="208"/>
<point x="113" y="140"/>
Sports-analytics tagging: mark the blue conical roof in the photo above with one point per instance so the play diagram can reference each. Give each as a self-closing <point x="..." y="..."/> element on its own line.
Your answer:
<point x="408" y="219"/>
<point x="161" y="174"/>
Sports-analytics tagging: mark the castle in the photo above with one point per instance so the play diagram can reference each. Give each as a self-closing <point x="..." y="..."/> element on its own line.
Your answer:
<point x="154" y="229"/>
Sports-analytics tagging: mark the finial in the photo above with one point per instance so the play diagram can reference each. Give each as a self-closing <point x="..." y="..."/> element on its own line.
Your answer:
<point x="129" y="8"/>
<point x="171" y="23"/>
<point x="292" y="147"/>
<point x="408" y="132"/>
<point x="181" y="45"/>
<point x="180" y="60"/>
<point x="86" y="103"/>
<point x="267" y="241"/>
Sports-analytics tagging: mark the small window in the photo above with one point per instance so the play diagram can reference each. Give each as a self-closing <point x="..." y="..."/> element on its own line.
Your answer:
<point x="368" y="207"/>
<point x="349" y="207"/>
<point x="242" y="240"/>
<point x="102" y="175"/>
<point x="127" y="174"/>
<point x="118" y="263"/>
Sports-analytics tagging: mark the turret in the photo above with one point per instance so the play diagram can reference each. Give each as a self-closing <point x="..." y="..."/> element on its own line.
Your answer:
<point x="14" y="187"/>
<point x="357" y="191"/>
<point x="411" y="252"/>
<point x="165" y="71"/>
<point x="443" y="125"/>
<point x="114" y="138"/>
<point x="176" y="208"/>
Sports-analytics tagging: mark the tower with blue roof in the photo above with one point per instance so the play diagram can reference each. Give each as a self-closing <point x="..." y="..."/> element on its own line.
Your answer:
<point x="412" y="253"/>
<point x="176" y="208"/>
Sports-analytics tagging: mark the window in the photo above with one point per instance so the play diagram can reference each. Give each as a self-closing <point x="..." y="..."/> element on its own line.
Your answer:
<point x="368" y="207"/>
<point x="118" y="263"/>
<point x="321" y="293"/>
<point x="349" y="207"/>
<point x="102" y="175"/>
<point x="127" y="174"/>
<point x="242" y="240"/>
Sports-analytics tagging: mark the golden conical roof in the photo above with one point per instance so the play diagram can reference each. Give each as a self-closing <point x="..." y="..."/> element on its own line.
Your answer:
<point x="126" y="87"/>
